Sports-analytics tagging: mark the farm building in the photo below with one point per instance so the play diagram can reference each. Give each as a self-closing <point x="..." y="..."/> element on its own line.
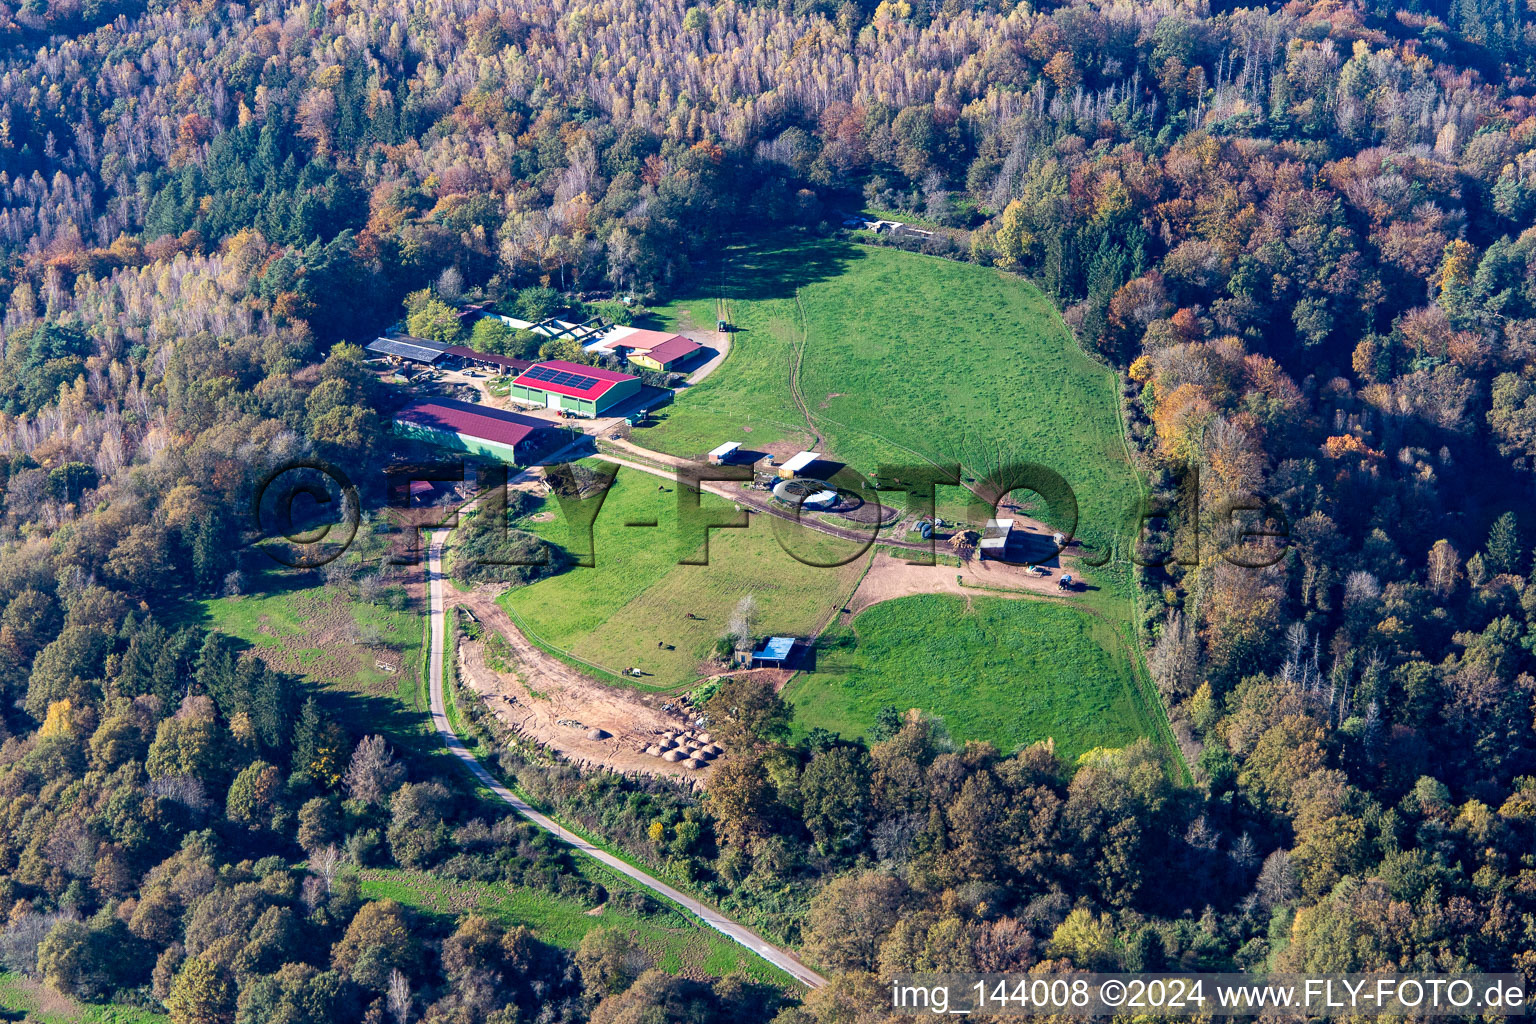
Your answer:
<point x="550" y="327"/>
<point x="725" y="454"/>
<point x="405" y="349"/>
<point x="994" y="539"/>
<point x="774" y="652"/>
<point x="805" y="494"/>
<point x="581" y="390"/>
<point x="493" y="433"/>
<point x="793" y="467"/>
<point x="671" y="354"/>
<point x="489" y="361"/>
<point x="653" y="350"/>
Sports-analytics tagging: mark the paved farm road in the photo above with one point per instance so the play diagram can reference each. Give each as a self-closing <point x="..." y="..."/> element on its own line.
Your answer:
<point x="780" y="958"/>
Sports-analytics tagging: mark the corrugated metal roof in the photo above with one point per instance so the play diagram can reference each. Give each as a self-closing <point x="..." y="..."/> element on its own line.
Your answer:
<point x="641" y="339"/>
<point x="416" y="349"/>
<point x="477" y="421"/>
<point x="672" y="349"/>
<point x="591" y="371"/>
<point x="725" y="449"/>
<point x="775" y="648"/>
<point x="800" y="461"/>
<point x="996" y="530"/>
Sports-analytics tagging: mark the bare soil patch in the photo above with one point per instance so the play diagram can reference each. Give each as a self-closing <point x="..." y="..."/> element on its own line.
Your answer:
<point x="553" y="704"/>
<point x="870" y="513"/>
<point x="891" y="576"/>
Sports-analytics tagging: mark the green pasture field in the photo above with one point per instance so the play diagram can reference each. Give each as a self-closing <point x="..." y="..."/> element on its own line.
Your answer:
<point x="747" y="399"/>
<point x="327" y="635"/>
<point x="1012" y="671"/>
<point x="903" y="358"/>
<point x="637" y="594"/>
<point x="24" y="999"/>
<point x="676" y="944"/>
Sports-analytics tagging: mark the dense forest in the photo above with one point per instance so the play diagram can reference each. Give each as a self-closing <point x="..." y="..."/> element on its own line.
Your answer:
<point x="1304" y="233"/>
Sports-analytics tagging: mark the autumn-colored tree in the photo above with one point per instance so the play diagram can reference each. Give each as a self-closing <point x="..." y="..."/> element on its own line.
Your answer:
<point x="851" y="917"/>
<point x="435" y="320"/>
<point x="201" y="994"/>
<point x="747" y="709"/>
<point x="254" y="794"/>
<point x="742" y="798"/>
<point x="379" y="940"/>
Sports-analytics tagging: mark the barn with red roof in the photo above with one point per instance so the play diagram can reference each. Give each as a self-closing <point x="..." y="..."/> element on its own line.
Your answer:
<point x="493" y="433"/>
<point x="672" y="354"/>
<point x="573" y="388"/>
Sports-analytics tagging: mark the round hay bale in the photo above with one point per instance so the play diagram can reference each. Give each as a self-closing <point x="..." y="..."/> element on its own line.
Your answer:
<point x="667" y="744"/>
<point x="705" y="754"/>
<point x="694" y="763"/>
<point x="715" y="749"/>
<point x="672" y="755"/>
<point x="653" y="750"/>
<point x="705" y="737"/>
<point x="596" y="734"/>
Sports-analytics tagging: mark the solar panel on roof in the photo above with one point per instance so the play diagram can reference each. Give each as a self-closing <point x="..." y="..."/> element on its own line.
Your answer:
<point x="562" y="378"/>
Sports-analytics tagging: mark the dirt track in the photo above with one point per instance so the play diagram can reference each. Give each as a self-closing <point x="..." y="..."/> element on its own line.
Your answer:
<point x="546" y="692"/>
<point x="890" y="577"/>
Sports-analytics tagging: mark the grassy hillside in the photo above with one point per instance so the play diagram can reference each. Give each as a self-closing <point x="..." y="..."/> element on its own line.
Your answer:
<point x="674" y="943"/>
<point x="1009" y="671"/>
<point x="904" y="357"/>
<point x="328" y="636"/>
<point x="889" y="357"/>
<point x="748" y="398"/>
<point x="614" y="613"/>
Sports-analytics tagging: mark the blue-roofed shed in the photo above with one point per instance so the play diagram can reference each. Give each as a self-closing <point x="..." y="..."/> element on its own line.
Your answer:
<point x="774" y="652"/>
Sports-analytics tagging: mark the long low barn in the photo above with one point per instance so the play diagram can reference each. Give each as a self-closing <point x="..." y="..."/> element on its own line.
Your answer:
<point x="404" y="349"/>
<point x="572" y="387"/>
<point x="493" y="433"/>
<point x="489" y="360"/>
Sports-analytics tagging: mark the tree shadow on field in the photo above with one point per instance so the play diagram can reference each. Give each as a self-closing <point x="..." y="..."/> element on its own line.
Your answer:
<point x="264" y="578"/>
<point x="774" y="268"/>
<point x="362" y="713"/>
<point x="366" y="713"/>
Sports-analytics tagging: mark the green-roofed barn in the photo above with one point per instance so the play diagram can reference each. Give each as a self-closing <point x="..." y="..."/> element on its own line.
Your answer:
<point x="574" y="388"/>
